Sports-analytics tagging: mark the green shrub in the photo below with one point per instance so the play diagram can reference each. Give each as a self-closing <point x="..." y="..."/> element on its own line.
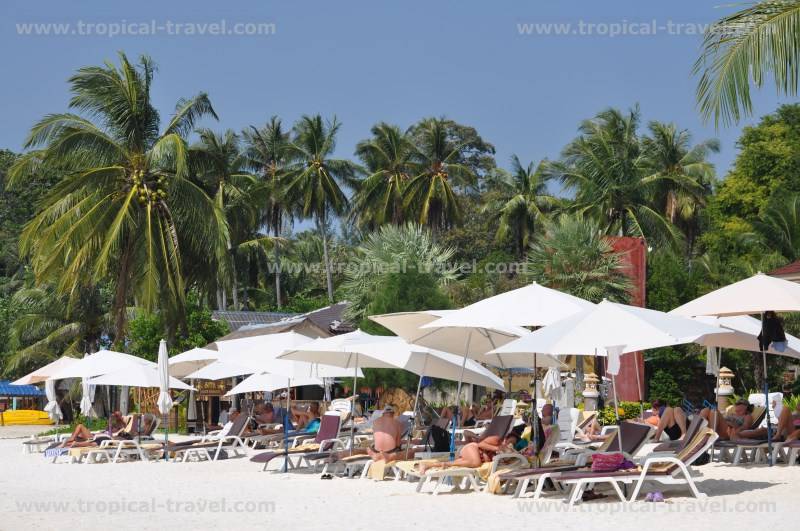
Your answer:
<point x="664" y="387"/>
<point x="627" y="410"/>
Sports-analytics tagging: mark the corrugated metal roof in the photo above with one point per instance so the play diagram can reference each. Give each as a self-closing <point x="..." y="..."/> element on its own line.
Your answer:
<point x="789" y="269"/>
<point x="237" y="320"/>
<point x="6" y="389"/>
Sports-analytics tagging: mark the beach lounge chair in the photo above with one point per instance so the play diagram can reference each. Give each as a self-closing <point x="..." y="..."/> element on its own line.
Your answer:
<point x="744" y="450"/>
<point x="634" y="436"/>
<point x="664" y="469"/>
<point x="229" y="438"/>
<point x="326" y="439"/>
<point x="697" y="423"/>
<point x="499" y="426"/>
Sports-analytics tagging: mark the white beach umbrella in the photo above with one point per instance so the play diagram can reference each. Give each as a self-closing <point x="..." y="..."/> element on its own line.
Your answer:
<point x="754" y="295"/>
<point x="101" y="362"/>
<point x="609" y="329"/>
<point x="191" y="361"/>
<point x="164" y="398"/>
<point x="219" y="370"/>
<point x="411" y="327"/>
<point x="52" y="408"/>
<point x="138" y="376"/>
<point x="532" y="305"/>
<point x="44" y="373"/>
<point x="259" y="352"/>
<point x="751" y="296"/>
<point x="256" y="383"/>
<point x="744" y="335"/>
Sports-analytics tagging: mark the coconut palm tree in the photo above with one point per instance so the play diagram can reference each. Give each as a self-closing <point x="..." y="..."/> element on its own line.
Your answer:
<point x="268" y="156"/>
<point x="220" y="165"/>
<point x="46" y="327"/>
<point x="605" y="167"/>
<point x="436" y="166"/>
<point x="521" y="202"/>
<point x="316" y="179"/>
<point x="386" y="157"/>
<point x="681" y="173"/>
<point x="125" y="208"/>
<point x="752" y="46"/>
<point x="574" y="256"/>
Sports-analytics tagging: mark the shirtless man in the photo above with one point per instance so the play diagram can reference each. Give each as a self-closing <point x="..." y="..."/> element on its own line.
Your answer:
<point x="388" y="435"/>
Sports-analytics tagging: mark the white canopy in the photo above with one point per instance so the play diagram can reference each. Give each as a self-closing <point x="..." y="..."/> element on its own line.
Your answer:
<point x="744" y="336"/>
<point x="219" y="370"/>
<point x="101" y="362"/>
<point x="531" y="305"/>
<point x="137" y="376"/>
<point x="46" y="372"/>
<point x="388" y="352"/>
<point x="191" y="360"/>
<point x="270" y="382"/>
<point x="754" y="295"/>
<point x="611" y="329"/>
<point x="411" y="327"/>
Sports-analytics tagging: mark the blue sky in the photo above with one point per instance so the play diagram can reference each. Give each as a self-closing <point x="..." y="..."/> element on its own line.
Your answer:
<point x="367" y="61"/>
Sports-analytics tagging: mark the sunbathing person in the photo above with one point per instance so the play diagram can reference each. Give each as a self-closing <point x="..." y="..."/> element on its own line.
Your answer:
<point x="671" y="420"/>
<point x="729" y="426"/>
<point x="788" y="428"/>
<point x="474" y="454"/>
<point x="307" y="421"/>
<point x="119" y="427"/>
<point x="470" y="416"/>
<point x="388" y="436"/>
<point x="487" y="411"/>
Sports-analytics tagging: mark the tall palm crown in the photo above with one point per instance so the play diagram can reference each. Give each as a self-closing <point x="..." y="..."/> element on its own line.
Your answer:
<point x="521" y="202"/>
<point x="125" y="208"/>
<point x="316" y="179"/>
<point x="758" y="43"/>
<point x="436" y="166"/>
<point x="605" y="166"/>
<point x="220" y="165"/>
<point x="386" y="157"/>
<point x="268" y="156"/>
<point x="681" y="174"/>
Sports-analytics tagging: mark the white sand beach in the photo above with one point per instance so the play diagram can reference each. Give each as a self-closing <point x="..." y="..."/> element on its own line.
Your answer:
<point x="35" y="494"/>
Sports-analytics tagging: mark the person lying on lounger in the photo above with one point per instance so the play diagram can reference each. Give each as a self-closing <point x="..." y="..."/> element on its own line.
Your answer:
<point x="730" y="426"/>
<point x="474" y="454"/>
<point x="388" y="436"/>
<point x="307" y="421"/>
<point x="470" y="416"/>
<point x="669" y="420"/>
<point x="120" y="428"/>
<point x="788" y="428"/>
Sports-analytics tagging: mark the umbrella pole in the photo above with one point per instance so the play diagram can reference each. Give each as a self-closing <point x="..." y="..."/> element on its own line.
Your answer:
<point x="639" y="387"/>
<point x="353" y="408"/>
<point x="286" y="425"/>
<point x="416" y="403"/>
<point x="616" y="412"/>
<point x="766" y="391"/>
<point x="458" y="399"/>
<point x="716" y="397"/>
<point x="535" y="413"/>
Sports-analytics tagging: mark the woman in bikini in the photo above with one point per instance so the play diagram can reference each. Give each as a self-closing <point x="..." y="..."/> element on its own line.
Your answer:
<point x="729" y="427"/>
<point x="119" y="427"/>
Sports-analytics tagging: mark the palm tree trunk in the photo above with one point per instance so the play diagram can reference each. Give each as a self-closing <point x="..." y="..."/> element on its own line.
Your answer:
<point x="235" y="287"/>
<point x="328" y="275"/>
<point x="276" y="232"/>
<point x="121" y="295"/>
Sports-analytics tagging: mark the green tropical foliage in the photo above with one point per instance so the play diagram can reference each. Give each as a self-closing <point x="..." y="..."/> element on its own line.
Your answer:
<point x="753" y="45"/>
<point x="124" y="209"/>
<point x="573" y="256"/>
